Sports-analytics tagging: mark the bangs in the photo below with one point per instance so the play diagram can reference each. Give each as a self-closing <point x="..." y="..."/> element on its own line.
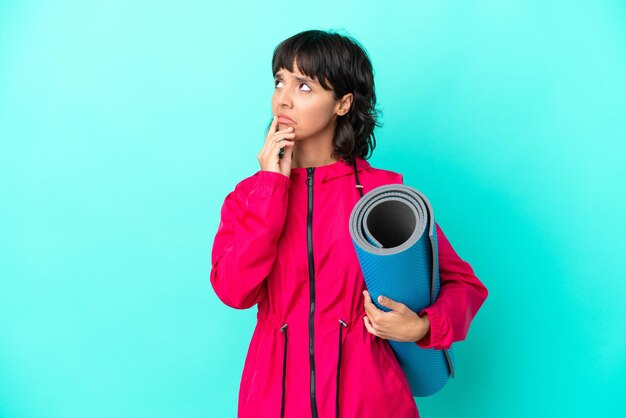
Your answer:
<point x="310" y="53"/>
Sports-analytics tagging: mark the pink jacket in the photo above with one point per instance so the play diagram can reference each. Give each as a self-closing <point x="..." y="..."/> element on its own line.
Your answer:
<point x="283" y="243"/>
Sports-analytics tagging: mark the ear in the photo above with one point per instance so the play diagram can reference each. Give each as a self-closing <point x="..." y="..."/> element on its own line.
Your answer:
<point x="344" y="104"/>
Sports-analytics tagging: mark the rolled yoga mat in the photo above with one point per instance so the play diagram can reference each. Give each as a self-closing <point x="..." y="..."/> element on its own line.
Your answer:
<point x="393" y="232"/>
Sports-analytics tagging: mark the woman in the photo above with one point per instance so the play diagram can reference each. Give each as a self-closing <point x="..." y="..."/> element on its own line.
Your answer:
<point x="320" y="345"/>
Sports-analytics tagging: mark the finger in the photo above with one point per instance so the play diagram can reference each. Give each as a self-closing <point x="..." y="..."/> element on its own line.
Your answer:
<point x="275" y="150"/>
<point x="288" y="153"/>
<point x="369" y="326"/>
<point x="273" y="129"/>
<point x="270" y="131"/>
<point x="371" y="309"/>
<point x="268" y="135"/>
<point x="278" y="135"/>
<point x="273" y="125"/>
<point x="369" y="304"/>
<point x="390" y="303"/>
<point x="268" y="149"/>
<point x="287" y="130"/>
<point x="283" y="133"/>
<point x="276" y="146"/>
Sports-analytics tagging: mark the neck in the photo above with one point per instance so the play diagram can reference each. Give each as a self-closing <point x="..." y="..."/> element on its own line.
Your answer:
<point x="312" y="153"/>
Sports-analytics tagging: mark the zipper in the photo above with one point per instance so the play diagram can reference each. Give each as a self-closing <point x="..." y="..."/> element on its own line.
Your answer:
<point x="309" y="179"/>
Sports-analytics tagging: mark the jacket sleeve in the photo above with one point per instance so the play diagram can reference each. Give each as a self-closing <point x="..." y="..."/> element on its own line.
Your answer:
<point x="460" y="296"/>
<point x="245" y="245"/>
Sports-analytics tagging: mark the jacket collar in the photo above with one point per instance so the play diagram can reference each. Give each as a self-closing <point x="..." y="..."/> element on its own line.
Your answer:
<point x="331" y="171"/>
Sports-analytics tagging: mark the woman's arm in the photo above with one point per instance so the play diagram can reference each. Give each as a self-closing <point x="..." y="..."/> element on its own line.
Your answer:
<point x="460" y="296"/>
<point x="245" y="245"/>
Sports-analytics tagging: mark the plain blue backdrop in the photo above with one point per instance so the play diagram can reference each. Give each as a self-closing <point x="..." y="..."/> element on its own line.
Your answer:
<point x="124" y="124"/>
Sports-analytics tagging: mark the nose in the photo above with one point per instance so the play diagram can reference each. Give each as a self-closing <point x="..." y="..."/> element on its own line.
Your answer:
<point x="284" y="98"/>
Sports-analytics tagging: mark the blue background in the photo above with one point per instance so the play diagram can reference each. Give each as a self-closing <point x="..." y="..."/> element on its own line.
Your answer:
<point x="123" y="125"/>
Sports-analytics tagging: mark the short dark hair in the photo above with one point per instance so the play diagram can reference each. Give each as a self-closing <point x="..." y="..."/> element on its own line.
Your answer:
<point x="341" y="60"/>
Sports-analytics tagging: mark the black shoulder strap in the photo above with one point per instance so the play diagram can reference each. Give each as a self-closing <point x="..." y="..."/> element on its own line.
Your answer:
<point x="356" y="177"/>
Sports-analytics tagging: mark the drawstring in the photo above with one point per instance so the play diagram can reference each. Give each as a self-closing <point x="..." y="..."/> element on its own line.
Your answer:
<point x="341" y="324"/>
<point x="282" y="404"/>
<point x="356" y="176"/>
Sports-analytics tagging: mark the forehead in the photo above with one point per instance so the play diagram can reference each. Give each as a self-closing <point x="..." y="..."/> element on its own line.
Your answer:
<point x="283" y="72"/>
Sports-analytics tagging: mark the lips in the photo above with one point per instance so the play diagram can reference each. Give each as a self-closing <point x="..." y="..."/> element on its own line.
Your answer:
<point x="282" y="118"/>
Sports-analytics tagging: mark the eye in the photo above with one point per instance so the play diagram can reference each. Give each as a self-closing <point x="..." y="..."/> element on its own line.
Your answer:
<point x="301" y="84"/>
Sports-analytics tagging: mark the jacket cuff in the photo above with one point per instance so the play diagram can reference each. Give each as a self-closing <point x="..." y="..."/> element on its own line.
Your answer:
<point x="272" y="179"/>
<point x="439" y="327"/>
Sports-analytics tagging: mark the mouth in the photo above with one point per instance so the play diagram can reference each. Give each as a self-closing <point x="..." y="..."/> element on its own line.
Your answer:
<point x="285" y="120"/>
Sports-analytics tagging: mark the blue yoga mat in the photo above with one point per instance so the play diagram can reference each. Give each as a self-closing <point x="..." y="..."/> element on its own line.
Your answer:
<point x="393" y="232"/>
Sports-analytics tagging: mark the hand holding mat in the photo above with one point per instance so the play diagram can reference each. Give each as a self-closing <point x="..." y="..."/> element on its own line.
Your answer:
<point x="393" y="231"/>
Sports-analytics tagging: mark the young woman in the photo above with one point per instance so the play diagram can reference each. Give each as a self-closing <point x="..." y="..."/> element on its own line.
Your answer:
<point x="320" y="345"/>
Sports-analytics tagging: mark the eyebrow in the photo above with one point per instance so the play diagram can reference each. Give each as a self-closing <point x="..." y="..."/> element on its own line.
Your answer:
<point x="307" y="79"/>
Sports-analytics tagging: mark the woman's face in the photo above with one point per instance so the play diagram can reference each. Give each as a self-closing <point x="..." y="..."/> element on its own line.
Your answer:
<point x="311" y="108"/>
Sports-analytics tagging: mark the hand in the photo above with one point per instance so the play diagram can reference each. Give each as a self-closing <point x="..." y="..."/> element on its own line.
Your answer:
<point x="268" y="157"/>
<point x="400" y="324"/>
